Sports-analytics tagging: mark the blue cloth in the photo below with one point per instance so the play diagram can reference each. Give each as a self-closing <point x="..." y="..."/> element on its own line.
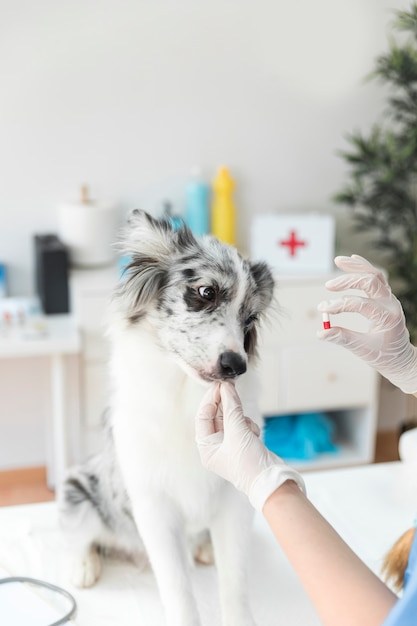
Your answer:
<point x="404" y="613"/>
<point x="300" y="436"/>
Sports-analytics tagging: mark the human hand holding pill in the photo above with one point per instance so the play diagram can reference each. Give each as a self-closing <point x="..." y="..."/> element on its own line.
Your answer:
<point x="386" y="346"/>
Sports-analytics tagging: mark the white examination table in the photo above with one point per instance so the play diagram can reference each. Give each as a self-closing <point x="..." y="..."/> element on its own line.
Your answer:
<point x="369" y="506"/>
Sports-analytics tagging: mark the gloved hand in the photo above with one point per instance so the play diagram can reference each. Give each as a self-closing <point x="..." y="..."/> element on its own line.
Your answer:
<point x="386" y="347"/>
<point x="229" y="445"/>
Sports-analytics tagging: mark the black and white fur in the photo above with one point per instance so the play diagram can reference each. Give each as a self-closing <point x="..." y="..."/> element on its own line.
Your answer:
<point x="185" y="315"/>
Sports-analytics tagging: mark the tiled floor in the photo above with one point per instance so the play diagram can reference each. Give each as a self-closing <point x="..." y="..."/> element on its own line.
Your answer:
<point x="29" y="485"/>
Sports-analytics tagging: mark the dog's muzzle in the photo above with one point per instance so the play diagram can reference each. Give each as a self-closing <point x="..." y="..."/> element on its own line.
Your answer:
<point x="230" y="365"/>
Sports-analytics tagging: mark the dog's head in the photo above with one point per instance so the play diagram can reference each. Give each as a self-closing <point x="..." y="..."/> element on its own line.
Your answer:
<point x="201" y="297"/>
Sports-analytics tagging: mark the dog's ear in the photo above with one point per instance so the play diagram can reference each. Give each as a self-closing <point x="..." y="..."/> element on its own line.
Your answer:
<point x="151" y="245"/>
<point x="265" y="284"/>
<point x="146" y="236"/>
<point x="264" y="281"/>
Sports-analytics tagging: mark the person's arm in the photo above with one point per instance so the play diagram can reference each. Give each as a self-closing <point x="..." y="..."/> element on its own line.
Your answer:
<point x="386" y="346"/>
<point x="343" y="590"/>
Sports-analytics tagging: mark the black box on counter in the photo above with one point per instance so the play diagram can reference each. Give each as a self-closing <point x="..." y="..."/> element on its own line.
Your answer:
<point x="51" y="266"/>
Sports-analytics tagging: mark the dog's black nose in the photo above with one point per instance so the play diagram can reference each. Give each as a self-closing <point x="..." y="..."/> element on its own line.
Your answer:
<point x="231" y="364"/>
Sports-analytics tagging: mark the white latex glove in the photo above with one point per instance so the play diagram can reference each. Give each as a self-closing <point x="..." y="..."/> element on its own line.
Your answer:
<point x="229" y="445"/>
<point x="386" y="347"/>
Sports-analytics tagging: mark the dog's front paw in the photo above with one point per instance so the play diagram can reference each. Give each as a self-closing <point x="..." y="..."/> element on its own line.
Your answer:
<point x="86" y="570"/>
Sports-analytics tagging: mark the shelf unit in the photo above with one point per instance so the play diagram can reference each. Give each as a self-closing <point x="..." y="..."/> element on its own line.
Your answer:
<point x="90" y="293"/>
<point x="300" y="373"/>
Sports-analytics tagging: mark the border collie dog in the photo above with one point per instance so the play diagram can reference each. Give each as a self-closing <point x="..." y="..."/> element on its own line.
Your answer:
<point x="184" y="315"/>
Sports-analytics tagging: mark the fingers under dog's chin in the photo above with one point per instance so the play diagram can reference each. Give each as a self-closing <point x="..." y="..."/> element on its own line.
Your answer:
<point x="253" y="426"/>
<point x="215" y="378"/>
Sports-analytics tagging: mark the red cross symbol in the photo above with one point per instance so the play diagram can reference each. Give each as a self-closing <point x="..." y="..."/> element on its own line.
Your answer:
<point x="292" y="243"/>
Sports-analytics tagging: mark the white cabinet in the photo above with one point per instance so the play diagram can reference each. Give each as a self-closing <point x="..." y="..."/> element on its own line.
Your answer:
<point x="90" y="296"/>
<point x="299" y="373"/>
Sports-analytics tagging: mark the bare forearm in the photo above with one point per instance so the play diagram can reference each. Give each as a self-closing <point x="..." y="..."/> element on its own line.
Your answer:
<point x="344" y="591"/>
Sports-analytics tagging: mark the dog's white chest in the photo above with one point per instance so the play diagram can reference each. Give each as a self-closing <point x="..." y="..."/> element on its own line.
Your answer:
<point x="167" y="465"/>
<point x="154" y="409"/>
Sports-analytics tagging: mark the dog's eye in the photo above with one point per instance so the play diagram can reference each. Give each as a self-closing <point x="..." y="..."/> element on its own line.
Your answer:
<point x="207" y="293"/>
<point x="250" y="320"/>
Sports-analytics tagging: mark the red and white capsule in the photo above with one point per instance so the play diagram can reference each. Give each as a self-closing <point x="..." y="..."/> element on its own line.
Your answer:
<point x="326" y="321"/>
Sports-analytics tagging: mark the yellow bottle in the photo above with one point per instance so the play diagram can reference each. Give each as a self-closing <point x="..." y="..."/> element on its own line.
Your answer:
<point x="223" y="211"/>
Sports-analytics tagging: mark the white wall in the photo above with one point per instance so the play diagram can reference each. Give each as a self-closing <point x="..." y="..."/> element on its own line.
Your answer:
<point x="128" y="95"/>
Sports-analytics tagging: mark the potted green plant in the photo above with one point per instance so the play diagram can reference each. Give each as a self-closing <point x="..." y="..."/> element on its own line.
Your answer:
<point x="382" y="185"/>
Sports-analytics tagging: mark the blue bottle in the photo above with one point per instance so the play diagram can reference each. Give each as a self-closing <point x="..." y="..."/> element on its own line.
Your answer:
<point x="197" y="212"/>
<point x="3" y="284"/>
<point x="176" y="220"/>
